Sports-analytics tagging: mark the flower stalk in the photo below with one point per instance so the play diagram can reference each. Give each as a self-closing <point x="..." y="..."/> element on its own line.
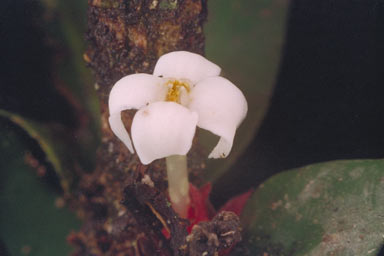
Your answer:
<point x="178" y="185"/>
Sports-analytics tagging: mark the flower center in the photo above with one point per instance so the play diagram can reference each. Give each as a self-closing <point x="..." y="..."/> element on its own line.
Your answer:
<point x="174" y="90"/>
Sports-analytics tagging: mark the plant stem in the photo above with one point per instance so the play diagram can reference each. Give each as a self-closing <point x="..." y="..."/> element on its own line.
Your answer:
<point x="178" y="185"/>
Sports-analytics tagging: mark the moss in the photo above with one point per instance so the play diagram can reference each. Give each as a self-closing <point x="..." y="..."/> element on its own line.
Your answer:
<point x="168" y="4"/>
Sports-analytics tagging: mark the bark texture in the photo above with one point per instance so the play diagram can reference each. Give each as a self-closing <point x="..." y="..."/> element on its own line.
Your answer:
<point x="124" y="204"/>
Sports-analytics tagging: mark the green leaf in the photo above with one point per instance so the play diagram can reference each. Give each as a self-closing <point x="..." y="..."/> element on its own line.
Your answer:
<point x="30" y="222"/>
<point x="68" y="148"/>
<point x="65" y="24"/>
<point x="57" y="152"/>
<point x="333" y="208"/>
<point x="245" y="38"/>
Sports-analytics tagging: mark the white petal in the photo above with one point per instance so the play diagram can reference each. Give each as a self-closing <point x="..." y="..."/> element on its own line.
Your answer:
<point x="132" y="92"/>
<point x="163" y="129"/>
<point x="221" y="107"/>
<point x="135" y="91"/>
<point x="185" y="65"/>
<point x="119" y="130"/>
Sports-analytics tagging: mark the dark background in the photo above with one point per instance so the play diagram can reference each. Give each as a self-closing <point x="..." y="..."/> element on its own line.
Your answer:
<point x="328" y="101"/>
<point x="26" y="73"/>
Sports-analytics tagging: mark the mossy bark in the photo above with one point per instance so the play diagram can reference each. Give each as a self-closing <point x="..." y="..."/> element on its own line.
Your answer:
<point x="123" y="203"/>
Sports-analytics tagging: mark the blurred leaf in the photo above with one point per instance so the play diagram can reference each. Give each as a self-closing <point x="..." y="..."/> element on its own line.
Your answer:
<point x="65" y="26"/>
<point x="30" y="220"/>
<point x="59" y="93"/>
<point x="58" y="152"/>
<point x="333" y="208"/>
<point x="245" y="38"/>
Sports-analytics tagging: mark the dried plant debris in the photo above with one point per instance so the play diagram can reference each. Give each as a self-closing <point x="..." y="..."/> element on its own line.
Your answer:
<point x="206" y="238"/>
<point x="218" y="235"/>
<point x="137" y="229"/>
<point x="111" y="228"/>
<point x="154" y="212"/>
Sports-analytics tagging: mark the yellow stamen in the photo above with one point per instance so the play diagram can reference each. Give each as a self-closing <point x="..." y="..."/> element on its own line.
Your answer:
<point x="174" y="92"/>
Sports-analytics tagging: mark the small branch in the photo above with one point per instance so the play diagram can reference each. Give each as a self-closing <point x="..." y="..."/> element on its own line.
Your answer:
<point x="153" y="211"/>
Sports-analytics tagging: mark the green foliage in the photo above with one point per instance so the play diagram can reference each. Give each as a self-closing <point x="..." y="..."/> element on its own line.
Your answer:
<point x="57" y="152"/>
<point x="333" y="208"/>
<point x="70" y="147"/>
<point x="66" y="25"/>
<point x="30" y="222"/>
<point x="245" y="38"/>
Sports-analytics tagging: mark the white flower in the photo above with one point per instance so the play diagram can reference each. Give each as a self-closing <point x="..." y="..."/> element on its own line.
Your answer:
<point x="185" y="90"/>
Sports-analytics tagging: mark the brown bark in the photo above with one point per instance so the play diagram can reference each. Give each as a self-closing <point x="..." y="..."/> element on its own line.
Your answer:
<point x="123" y="203"/>
<point x="123" y="215"/>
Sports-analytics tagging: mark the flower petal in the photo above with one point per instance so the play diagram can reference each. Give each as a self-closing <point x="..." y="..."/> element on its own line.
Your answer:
<point x="163" y="129"/>
<point x="221" y="107"/>
<point x="135" y="91"/>
<point x="132" y="92"/>
<point x="119" y="130"/>
<point x="185" y="65"/>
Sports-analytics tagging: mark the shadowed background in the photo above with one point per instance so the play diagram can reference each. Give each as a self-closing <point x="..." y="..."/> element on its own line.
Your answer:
<point x="327" y="102"/>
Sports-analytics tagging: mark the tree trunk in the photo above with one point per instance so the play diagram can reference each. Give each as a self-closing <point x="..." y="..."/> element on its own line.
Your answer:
<point x="122" y="202"/>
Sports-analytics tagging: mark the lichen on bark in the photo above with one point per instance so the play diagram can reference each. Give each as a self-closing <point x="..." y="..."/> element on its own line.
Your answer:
<point x="126" y="37"/>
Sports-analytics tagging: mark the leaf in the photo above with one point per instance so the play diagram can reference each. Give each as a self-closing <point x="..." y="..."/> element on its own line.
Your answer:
<point x="72" y="147"/>
<point x="66" y="25"/>
<point x="30" y="222"/>
<point x="57" y="152"/>
<point x="333" y="208"/>
<point x="245" y="38"/>
<point x="55" y="87"/>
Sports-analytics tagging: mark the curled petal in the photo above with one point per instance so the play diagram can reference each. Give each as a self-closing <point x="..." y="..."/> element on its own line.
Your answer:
<point x="185" y="65"/>
<point x="221" y="107"/>
<point x="135" y="91"/>
<point x="132" y="92"/>
<point x="119" y="130"/>
<point x="163" y="129"/>
<point x="224" y="146"/>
